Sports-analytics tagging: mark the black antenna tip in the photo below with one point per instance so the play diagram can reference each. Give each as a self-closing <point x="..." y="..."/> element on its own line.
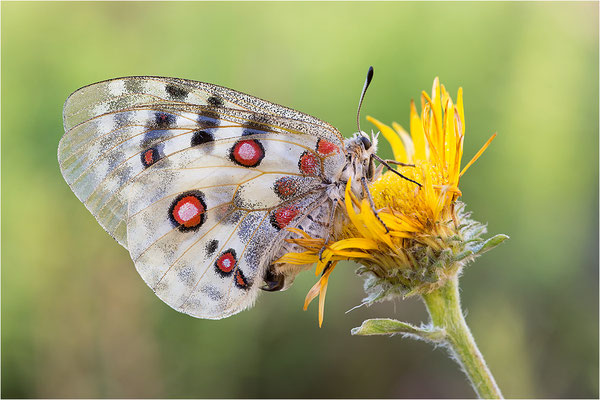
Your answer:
<point x="362" y="95"/>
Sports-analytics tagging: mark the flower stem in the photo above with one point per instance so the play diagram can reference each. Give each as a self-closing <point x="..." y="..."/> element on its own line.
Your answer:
<point x="444" y="309"/>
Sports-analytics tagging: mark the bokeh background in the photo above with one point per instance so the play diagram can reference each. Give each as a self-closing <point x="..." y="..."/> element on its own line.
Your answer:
<point x="77" y="320"/>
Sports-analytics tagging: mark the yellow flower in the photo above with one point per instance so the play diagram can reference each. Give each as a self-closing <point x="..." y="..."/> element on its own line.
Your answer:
<point x="429" y="237"/>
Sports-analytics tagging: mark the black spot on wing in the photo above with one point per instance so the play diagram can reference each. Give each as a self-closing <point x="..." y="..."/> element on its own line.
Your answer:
<point x="209" y="119"/>
<point x="215" y="101"/>
<point x="212" y="246"/>
<point x="201" y="137"/>
<point x="176" y="92"/>
<point x="151" y="155"/>
<point x="163" y="120"/>
<point x="257" y="125"/>
<point x="241" y="281"/>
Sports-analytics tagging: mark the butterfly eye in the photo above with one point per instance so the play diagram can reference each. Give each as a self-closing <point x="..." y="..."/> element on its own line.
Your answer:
<point x="365" y="142"/>
<point x="273" y="282"/>
<point x="370" y="169"/>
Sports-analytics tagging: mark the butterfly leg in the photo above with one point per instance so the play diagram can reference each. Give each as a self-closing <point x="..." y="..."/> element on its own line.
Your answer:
<point x="385" y="162"/>
<point x="329" y="228"/>
<point x="363" y="180"/>
<point x="399" y="163"/>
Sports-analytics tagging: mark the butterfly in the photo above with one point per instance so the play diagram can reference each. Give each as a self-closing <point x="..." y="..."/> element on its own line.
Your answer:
<point x="200" y="184"/>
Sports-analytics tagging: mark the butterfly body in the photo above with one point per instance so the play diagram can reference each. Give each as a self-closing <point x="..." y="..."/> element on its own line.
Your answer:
<point x="200" y="182"/>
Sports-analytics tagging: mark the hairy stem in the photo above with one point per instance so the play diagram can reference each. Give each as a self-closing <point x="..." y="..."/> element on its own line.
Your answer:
<point x="444" y="309"/>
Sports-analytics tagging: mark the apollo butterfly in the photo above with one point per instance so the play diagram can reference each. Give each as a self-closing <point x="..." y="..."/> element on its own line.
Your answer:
<point x="199" y="183"/>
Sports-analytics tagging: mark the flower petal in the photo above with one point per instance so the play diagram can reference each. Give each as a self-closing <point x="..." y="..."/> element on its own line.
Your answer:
<point x="417" y="133"/>
<point x="436" y="107"/>
<point x="406" y="141"/>
<point x="354" y="243"/>
<point x="479" y="153"/>
<point x="306" y="257"/>
<point x="460" y="108"/>
<point x="323" y="292"/>
<point x="356" y="220"/>
<point x="392" y="138"/>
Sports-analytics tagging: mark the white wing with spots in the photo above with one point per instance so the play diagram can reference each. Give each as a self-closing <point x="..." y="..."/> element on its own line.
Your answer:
<point x="109" y="126"/>
<point x="197" y="181"/>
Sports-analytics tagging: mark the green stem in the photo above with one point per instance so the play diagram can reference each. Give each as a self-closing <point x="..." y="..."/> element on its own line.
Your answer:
<point x="444" y="309"/>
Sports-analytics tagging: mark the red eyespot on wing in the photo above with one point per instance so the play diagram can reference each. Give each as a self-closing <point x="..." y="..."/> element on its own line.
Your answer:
<point x="309" y="164"/>
<point x="285" y="187"/>
<point x="187" y="211"/>
<point x="283" y="216"/>
<point x="325" y="147"/>
<point x="150" y="156"/>
<point x="247" y="153"/>
<point x="226" y="262"/>
<point x="240" y="280"/>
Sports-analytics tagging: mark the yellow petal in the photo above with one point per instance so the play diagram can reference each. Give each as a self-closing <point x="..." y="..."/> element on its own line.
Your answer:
<point x="374" y="225"/>
<point x="321" y="264"/>
<point x="323" y="292"/>
<point x="461" y="110"/>
<point x="458" y="156"/>
<point x="436" y="107"/>
<point x="312" y="293"/>
<point x="356" y="221"/>
<point x="320" y="289"/>
<point x="479" y="153"/>
<point x="354" y="243"/>
<point x="431" y="198"/>
<point x="306" y="257"/>
<point x="299" y="232"/>
<point x="345" y="254"/>
<point x="449" y="137"/>
<point x="399" y="234"/>
<point x="395" y="224"/>
<point x="417" y="134"/>
<point x="392" y="138"/>
<point x="406" y="141"/>
<point x="427" y="119"/>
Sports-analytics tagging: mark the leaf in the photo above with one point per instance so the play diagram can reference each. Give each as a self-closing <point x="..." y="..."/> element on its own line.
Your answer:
<point x="491" y="243"/>
<point x="387" y="326"/>
<point x="461" y="256"/>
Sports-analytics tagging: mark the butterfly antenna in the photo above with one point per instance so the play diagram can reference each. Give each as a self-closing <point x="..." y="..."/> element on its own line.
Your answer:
<point x="362" y="95"/>
<point x="375" y="156"/>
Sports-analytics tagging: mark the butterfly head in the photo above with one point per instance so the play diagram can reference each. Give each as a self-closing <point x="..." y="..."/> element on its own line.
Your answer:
<point x="359" y="152"/>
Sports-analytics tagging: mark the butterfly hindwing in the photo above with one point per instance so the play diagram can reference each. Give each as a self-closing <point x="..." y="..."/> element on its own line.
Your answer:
<point x="182" y="231"/>
<point x="196" y="180"/>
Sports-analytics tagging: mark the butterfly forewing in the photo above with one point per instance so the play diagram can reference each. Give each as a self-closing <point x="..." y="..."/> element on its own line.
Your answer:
<point x="196" y="180"/>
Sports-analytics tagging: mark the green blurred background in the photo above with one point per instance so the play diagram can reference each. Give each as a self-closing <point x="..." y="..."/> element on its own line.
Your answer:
<point x="77" y="320"/>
